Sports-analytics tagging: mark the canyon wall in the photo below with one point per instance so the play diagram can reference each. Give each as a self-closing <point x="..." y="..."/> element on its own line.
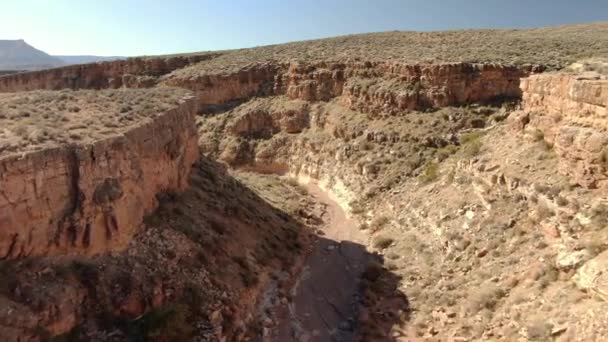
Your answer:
<point x="374" y="87"/>
<point x="569" y="111"/>
<point x="88" y="199"/>
<point x="133" y="73"/>
<point x="220" y="88"/>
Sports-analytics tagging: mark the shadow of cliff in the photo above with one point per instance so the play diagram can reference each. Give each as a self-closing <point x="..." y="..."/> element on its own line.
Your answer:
<point x="191" y="271"/>
<point x="344" y="294"/>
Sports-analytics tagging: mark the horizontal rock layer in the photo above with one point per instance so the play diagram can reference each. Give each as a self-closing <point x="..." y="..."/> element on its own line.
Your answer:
<point x="375" y="87"/>
<point x="569" y="111"/>
<point x="87" y="199"/>
<point x="132" y="73"/>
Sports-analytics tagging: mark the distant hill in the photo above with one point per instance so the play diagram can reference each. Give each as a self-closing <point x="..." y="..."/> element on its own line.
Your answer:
<point x="88" y="59"/>
<point x="19" y="55"/>
<point x="9" y="72"/>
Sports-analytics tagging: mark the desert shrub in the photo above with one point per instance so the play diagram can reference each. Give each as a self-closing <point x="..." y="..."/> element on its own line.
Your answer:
<point x="538" y="135"/>
<point x="444" y="152"/>
<point x="562" y="201"/>
<point x="356" y="207"/>
<point x="599" y="65"/>
<point x="86" y="272"/>
<point x="539" y="331"/>
<point x="485" y="297"/>
<point x="471" y="143"/>
<point x="599" y="216"/>
<point x="169" y="322"/>
<point x="292" y="181"/>
<point x="373" y="271"/>
<point x="472" y="149"/>
<point x="378" y="223"/>
<point x="543" y="212"/>
<point x="383" y="242"/>
<point x="247" y="274"/>
<point x="549" y="275"/>
<point x="366" y="146"/>
<point x="451" y="176"/>
<point x="430" y="173"/>
<point x="470" y="137"/>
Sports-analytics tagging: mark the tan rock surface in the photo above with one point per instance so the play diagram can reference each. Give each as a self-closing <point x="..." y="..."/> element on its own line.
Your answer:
<point x="131" y="73"/>
<point x="87" y="198"/>
<point x="570" y="111"/>
<point x="375" y="87"/>
<point x="593" y="276"/>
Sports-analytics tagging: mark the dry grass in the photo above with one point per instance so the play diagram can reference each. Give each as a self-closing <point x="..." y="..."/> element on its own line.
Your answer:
<point x="383" y="242"/>
<point x="430" y="173"/>
<point x="553" y="46"/>
<point x="599" y="65"/>
<point x="31" y="121"/>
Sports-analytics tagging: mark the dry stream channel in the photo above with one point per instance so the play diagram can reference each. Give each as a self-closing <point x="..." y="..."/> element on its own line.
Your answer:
<point x="325" y="295"/>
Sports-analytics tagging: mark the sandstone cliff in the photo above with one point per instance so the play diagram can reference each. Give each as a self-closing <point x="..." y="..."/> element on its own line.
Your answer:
<point x="85" y="198"/>
<point x="569" y="111"/>
<point x="375" y="87"/>
<point x="138" y="72"/>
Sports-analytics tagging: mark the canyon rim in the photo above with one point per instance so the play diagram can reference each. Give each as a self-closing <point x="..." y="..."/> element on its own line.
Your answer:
<point x="398" y="186"/>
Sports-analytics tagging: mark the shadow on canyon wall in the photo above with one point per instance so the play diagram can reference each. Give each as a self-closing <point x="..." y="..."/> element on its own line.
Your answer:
<point x="190" y="271"/>
<point x="345" y="294"/>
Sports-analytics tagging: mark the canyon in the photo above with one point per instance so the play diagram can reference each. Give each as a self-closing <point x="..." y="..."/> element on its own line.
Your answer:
<point x="307" y="200"/>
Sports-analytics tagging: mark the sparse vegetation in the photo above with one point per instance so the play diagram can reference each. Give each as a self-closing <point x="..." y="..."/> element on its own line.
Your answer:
<point x="378" y="223"/>
<point x="599" y="65"/>
<point x="37" y="119"/>
<point x="430" y="173"/>
<point x="538" y="135"/>
<point x="471" y="143"/>
<point x="554" y="46"/>
<point x="382" y="242"/>
<point x="485" y="297"/>
<point x="456" y="249"/>
<point x="170" y="322"/>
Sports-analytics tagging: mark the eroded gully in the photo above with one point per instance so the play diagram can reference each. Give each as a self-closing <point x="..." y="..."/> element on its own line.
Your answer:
<point x="326" y="294"/>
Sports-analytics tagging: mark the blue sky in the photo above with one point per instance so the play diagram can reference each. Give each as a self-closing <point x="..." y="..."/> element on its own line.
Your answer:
<point x="139" y="27"/>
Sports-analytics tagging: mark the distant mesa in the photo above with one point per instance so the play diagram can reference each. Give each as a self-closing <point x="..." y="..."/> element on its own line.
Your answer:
<point x="17" y="55"/>
<point x="84" y="59"/>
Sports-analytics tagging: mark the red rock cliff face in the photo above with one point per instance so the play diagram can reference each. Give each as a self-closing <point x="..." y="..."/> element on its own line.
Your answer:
<point x="132" y="73"/>
<point x="363" y="86"/>
<point x="373" y="87"/>
<point x="570" y="111"/>
<point x="215" y="89"/>
<point x="88" y="199"/>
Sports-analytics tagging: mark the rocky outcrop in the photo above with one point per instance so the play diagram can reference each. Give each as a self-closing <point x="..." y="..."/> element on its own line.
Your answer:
<point x="132" y="73"/>
<point x="569" y="111"/>
<point x="582" y="99"/>
<point x="87" y="199"/>
<point x="215" y="89"/>
<point x="393" y="87"/>
<point x="593" y="277"/>
<point x="376" y="87"/>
